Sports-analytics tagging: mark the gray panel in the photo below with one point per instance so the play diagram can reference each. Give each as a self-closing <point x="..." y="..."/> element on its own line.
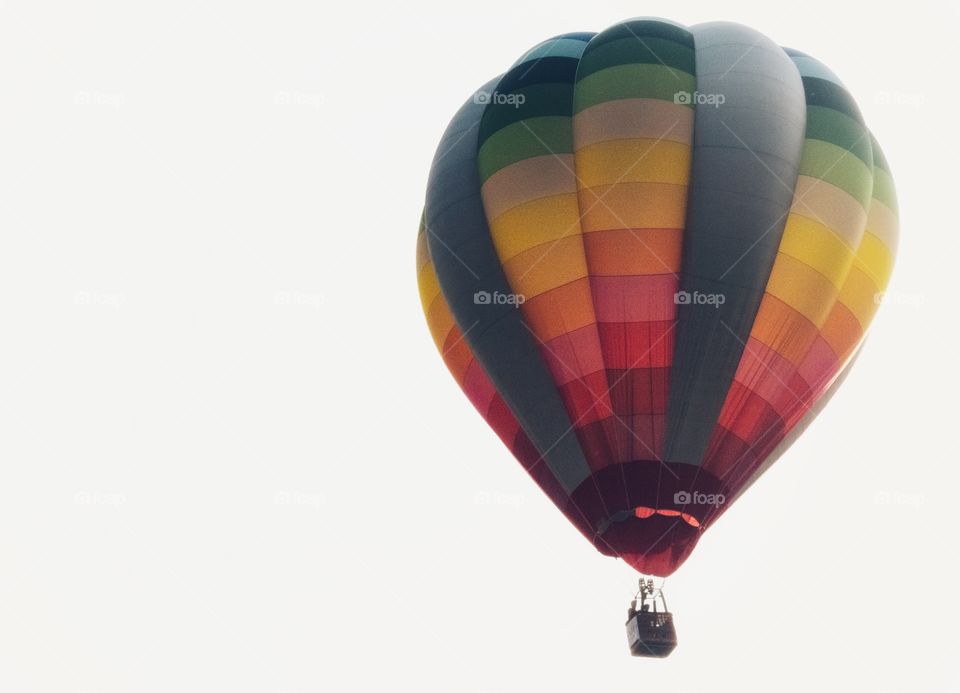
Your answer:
<point x="466" y="263"/>
<point x="746" y="155"/>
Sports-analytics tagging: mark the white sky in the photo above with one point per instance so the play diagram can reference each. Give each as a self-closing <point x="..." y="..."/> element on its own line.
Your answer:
<point x="230" y="458"/>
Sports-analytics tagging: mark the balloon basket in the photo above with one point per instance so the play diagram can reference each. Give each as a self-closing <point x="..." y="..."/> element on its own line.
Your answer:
<point x="650" y="628"/>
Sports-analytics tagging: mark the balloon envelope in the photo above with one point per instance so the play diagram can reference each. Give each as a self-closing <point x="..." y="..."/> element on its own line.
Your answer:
<point x="648" y="256"/>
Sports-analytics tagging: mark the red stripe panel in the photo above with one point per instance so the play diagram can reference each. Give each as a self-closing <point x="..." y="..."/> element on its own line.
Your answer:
<point x="639" y="391"/>
<point x="769" y="375"/>
<point x="637" y="344"/>
<point x="636" y="315"/>
<point x="741" y="445"/>
<point x="819" y="363"/>
<point x="634" y="298"/>
<point x="585" y="399"/>
<point x="480" y="390"/>
<point x="573" y="354"/>
<point x="649" y="433"/>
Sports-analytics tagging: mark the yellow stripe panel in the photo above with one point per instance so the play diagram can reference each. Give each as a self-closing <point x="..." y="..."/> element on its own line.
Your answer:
<point x="428" y="284"/>
<point x="802" y="288"/>
<point x="833" y="207"/>
<point x="546" y="266"/>
<point x="875" y="260"/>
<point x="441" y="324"/>
<point x="859" y="295"/>
<point x="439" y="318"/>
<point x="423" y="253"/>
<point x="532" y="223"/>
<point x="634" y="206"/>
<point x="816" y="245"/>
<point x="633" y="161"/>
<point x="440" y="321"/>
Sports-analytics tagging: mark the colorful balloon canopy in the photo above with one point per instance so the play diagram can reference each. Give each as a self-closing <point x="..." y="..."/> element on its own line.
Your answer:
<point x="648" y="256"/>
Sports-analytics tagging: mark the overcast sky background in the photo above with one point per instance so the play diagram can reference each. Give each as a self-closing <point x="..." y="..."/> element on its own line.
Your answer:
<point x="230" y="458"/>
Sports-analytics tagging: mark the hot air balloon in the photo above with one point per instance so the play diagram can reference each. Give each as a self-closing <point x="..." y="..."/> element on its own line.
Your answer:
<point x="649" y="256"/>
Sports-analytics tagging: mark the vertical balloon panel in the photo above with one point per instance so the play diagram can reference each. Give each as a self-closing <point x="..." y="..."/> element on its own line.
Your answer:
<point x="633" y="130"/>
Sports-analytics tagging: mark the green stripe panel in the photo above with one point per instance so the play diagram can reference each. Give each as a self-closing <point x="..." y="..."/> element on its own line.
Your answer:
<point x="820" y="92"/>
<point x="632" y="82"/>
<point x="554" y="48"/>
<point x="530" y="114"/>
<point x="840" y="129"/>
<point x="647" y="50"/>
<point x="519" y="141"/>
<point x="534" y="101"/>
<point x="837" y="166"/>
<point x="883" y="188"/>
<point x="879" y="160"/>
<point x="838" y="147"/>
<point x="810" y="67"/>
<point x="644" y="29"/>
